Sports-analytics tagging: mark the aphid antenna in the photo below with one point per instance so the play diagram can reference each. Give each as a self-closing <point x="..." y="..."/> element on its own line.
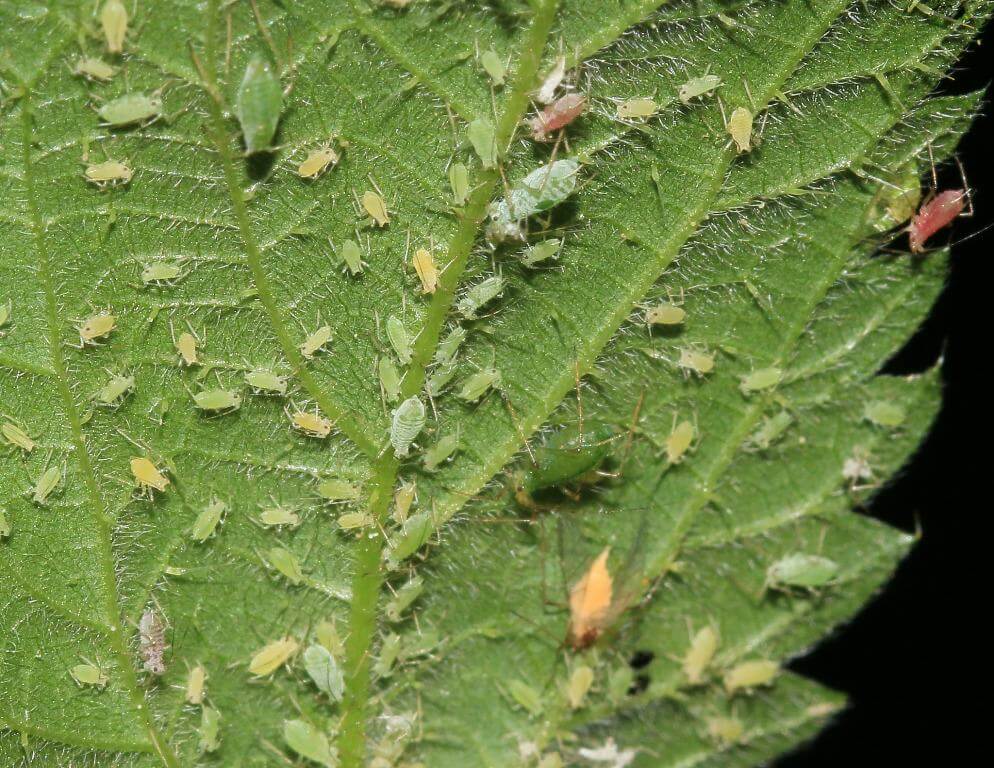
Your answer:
<point x="264" y="31"/>
<point x="745" y="84"/>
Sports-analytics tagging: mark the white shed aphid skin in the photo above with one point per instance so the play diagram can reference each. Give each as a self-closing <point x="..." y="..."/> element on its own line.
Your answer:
<point x="884" y="413"/>
<point x="96" y="327"/>
<point x="114" y="391"/>
<point x="494" y="67"/>
<point x="426" y="269"/>
<point x="266" y="382"/>
<point x="376" y="208"/>
<point x="477" y="385"/>
<point x="770" y="430"/>
<point x="208" y="520"/>
<point x="699" y="655"/>
<point x="17" y="437"/>
<point x="479" y="295"/>
<point x="580" y="681"/>
<point x="218" y="400"/>
<point x="148" y="476"/>
<point x="546" y="93"/>
<point x="209" y="732"/>
<point x="287" y="563"/>
<point x="679" y="441"/>
<point x="89" y="674"/>
<point x="93" y="69"/>
<point x="408" y="421"/>
<point x="399" y="340"/>
<point x="196" y="681"/>
<point x="307" y="741"/>
<point x="152" y="642"/>
<point x="403" y="498"/>
<point x="162" y="273"/>
<point x="46" y="484"/>
<point x="696" y="361"/>
<point x="857" y="468"/>
<point x="637" y="109"/>
<point x="311" y="424"/>
<point x="403" y="598"/>
<point x="725" y="730"/>
<point x="698" y="86"/>
<point x="335" y="489"/>
<point x="540" y="252"/>
<point x="324" y="670"/>
<point x="272" y="656"/>
<point x="315" y="342"/>
<point x="317" y="162"/>
<point x="483" y="136"/>
<point x="739" y="127"/>
<point x="441" y="451"/>
<point x="389" y="379"/>
<point x="749" y="675"/>
<point x="351" y="255"/>
<point x="114" y="20"/>
<point x="131" y="109"/>
<point x="761" y="379"/>
<point x="541" y="190"/>
<point x="801" y="572"/>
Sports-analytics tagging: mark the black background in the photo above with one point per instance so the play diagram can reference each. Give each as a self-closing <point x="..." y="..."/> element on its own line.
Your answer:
<point x="916" y="662"/>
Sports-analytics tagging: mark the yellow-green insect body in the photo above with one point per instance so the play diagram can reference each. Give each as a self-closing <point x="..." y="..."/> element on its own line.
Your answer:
<point x="209" y="731"/>
<point x="161" y="273"/>
<point x="266" y="382"/>
<point x="284" y="561"/>
<point x="218" y="400"/>
<point x="114" y="20"/>
<point x="352" y="257"/>
<point x="115" y="390"/>
<point x="131" y="109"/>
<point x="96" y="327"/>
<point x="315" y="341"/>
<point x="109" y="173"/>
<point x="399" y="340"/>
<point x="17" y="437"/>
<point x="94" y="69"/>
<point x="259" y="104"/>
<point x="308" y="742"/>
<point x="389" y="379"/>
<point x="208" y="520"/>
<point x="89" y="674"/>
<point x="637" y="109"/>
<point x="478" y="384"/>
<point x="336" y="489"/>
<point x="46" y="484"/>
<point x="317" y="162"/>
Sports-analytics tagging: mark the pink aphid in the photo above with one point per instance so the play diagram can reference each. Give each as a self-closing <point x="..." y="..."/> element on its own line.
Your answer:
<point x="934" y="214"/>
<point x="559" y="114"/>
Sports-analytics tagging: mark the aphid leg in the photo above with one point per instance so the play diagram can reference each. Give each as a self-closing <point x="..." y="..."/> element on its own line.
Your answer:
<point x="966" y="187"/>
<point x="745" y="84"/>
<point x="579" y="398"/>
<point x="517" y="426"/>
<point x="227" y="44"/>
<point x="264" y="31"/>
<point x="630" y="435"/>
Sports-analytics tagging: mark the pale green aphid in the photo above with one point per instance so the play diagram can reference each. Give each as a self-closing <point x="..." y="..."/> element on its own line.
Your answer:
<point x="109" y="173"/>
<point x="698" y="86"/>
<point x="352" y="256"/>
<point x="114" y="390"/>
<point x="208" y="520"/>
<point x="47" y="483"/>
<point x="308" y="742"/>
<point x="350" y="521"/>
<point x="389" y="651"/>
<point x="440" y="379"/>
<point x="477" y="296"/>
<point x="94" y="69"/>
<point x="526" y="697"/>
<point x="16" y="436"/>
<point x="770" y="430"/>
<point x="323" y="669"/>
<point x="209" y="730"/>
<point x="262" y="380"/>
<point x="492" y="63"/>
<point x="4" y="525"/>
<point x="750" y="674"/>
<point x="403" y="498"/>
<point x="334" y="489"/>
<point x="459" y="181"/>
<point x="884" y="413"/>
<point x="389" y="379"/>
<point x="161" y="272"/>
<point x="543" y="251"/>
<point x="315" y="341"/>
<point x="114" y="20"/>
<point x="542" y="189"/>
<point x="441" y="451"/>
<point x="483" y="137"/>
<point x="279" y="515"/>
<point x="404" y="597"/>
<point x="699" y="655"/>
<point x="678" y="441"/>
<point x="726" y="730"/>
<point x="327" y="635"/>
<point x="399" y="340"/>
<point x="637" y="109"/>
<point x="800" y="571"/>
<point x="665" y="313"/>
<point x="447" y="349"/>
<point x="131" y="109"/>
<point x="408" y="421"/>
<point x="89" y="674"/>
<point x="761" y="379"/>
<point x="218" y="400"/>
<point x="739" y="127"/>
<point x="696" y="361"/>
<point x="376" y="208"/>
<point x="195" y="682"/>
<point x="412" y="536"/>
<point x="578" y="686"/>
<point x="284" y="561"/>
<point x="477" y="385"/>
<point x="259" y="104"/>
<point x="5" y="310"/>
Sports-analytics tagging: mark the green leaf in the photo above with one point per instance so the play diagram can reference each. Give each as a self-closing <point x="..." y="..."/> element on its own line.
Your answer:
<point x="548" y="399"/>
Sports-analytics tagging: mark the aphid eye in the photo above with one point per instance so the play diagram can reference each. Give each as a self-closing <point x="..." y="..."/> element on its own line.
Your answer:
<point x="376" y="207"/>
<point x="114" y="20"/>
<point x="259" y="104"/>
<point x="739" y="127"/>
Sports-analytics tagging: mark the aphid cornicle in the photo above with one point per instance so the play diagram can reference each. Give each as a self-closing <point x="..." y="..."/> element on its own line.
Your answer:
<point x="259" y="104"/>
<point x="114" y="20"/>
<point x="408" y="421"/>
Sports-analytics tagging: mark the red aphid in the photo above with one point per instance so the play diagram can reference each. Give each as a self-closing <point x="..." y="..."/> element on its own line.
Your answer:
<point x="934" y="214"/>
<point x="558" y="114"/>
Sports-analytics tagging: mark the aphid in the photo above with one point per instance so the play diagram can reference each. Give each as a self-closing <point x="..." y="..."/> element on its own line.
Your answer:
<point x="897" y="199"/>
<point x="726" y="730"/>
<point x="567" y="456"/>
<point x="335" y="489"/>
<point x="111" y="393"/>
<point x="542" y="189"/>
<point x="440" y="379"/>
<point x="308" y="742"/>
<point x="266" y="381"/>
<point x="525" y="696"/>
<point x="698" y="86"/>
<point x="679" y="441"/>
<point x="259" y="104"/>
<point x="739" y="127"/>
<point x="770" y="430"/>
<point x="439" y="453"/>
<point x="557" y="115"/>
<point x="216" y="400"/>
<point x="323" y="669"/>
<point x="209" y="730"/>
<point x="376" y="207"/>
<point x="409" y="539"/>
<point x="459" y="181"/>
<point x="161" y="272"/>
<point x="665" y="313"/>
<point x="800" y="571"/>
<point x="89" y="674"/>
<point x="17" y="437"/>
<point x="547" y="91"/>
<point x="147" y="476"/>
<point x="273" y="656"/>
<point x="327" y="634"/>
<point x="316" y="341"/>
<point x="350" y="521"/>
<point x="579" y="684"/>
<point x="96" y="327"/>
<point x="935" y="214"/>
<point x="186" y="345"/>
<point x="543" y="251"/>
<point x="389" y="650"/>
<point x="764" y="378"/>
<point x="424" y="265"/>
<point x="94" y="69"/>
<point x="750" y="674"/>
<point x="317" y="162"/>
<point x="695" y="361"/>
<point x="208" y="520"/>
<point x="408" y="421"/>
<point x="389" y="379"/>
<point x="284" y="561"/>
<point x="403" y="498"/>
<point x="483" y="137"/>
<point x="589" y="603"/>
<point x="884" y="413"/>
<point x="4" y="525"/>
<point x="494" y="67"/>
<point x="403" y="598"/>
<point x="477" y="385"/>
<point x="445" y="353"/>
<point x="311" y="424"/>
<point x="636" y="109"/>
<point x="5" y="311"/>
<point x="46" y="484"/>
<point x="152" y="642"/>
<point x="477" y="296"/>
<point x="114" y="20"/>
<point x="352" y="257"/>
<point x="699" y="655"/>
<point x="195" y="682"/>
<point x="109" y="173"/>
<point x="279" y="515"/>
<point x="131" y="109"/>
<point x="399" y="340"/>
